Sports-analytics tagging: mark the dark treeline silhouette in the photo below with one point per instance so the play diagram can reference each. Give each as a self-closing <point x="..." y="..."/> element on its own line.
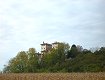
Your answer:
<point x="62" y="59"/>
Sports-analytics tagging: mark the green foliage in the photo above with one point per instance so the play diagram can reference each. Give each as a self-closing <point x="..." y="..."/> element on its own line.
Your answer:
<point x="73" y="52"/>
<point x="18" y="63"/>
<point x="62" y="59"/>
<point x="32" y="60"/>
<point x="23" y="62"/>
<point x="89" y="62"/>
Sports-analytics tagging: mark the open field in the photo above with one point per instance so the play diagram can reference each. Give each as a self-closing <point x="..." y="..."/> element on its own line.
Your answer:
<point x="53" y="76"/>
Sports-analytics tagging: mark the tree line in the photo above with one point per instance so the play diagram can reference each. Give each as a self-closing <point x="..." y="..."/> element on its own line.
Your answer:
<point x="62" y="59"/>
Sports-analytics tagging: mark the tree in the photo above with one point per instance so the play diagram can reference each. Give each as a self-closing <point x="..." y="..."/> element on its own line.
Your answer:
<point x="17" y="64"/>
<point x="32" y="60"/>
<point x="23" y="62"/>
<point x="73" y="52"/>
<point x="60" y="59"/>
<point x="6" y="69"/>
<point x="53" y="60"/>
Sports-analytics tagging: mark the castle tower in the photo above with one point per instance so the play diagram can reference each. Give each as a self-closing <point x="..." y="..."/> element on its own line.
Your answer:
<point x="55" y="45"/>
<point x="45" y="47"/>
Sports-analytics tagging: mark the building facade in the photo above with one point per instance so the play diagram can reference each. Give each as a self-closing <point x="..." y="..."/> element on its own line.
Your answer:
<point x="55" y="45"/>
<point x="45" y="47"/>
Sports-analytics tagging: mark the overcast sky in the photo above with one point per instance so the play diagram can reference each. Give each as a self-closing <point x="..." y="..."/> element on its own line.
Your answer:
<point x="27" y="23"/>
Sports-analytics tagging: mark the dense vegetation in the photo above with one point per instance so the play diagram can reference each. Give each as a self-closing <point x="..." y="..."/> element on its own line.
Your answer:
<point x="62" y="59"/>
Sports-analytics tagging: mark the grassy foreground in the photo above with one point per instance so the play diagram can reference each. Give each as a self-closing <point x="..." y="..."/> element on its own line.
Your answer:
<point x="53" y="76"/>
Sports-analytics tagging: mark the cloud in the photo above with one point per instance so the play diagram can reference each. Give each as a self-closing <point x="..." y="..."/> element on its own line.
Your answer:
<point x="26" y="23"/>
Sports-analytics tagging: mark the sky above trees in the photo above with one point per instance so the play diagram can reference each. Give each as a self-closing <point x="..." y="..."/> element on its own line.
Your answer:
<point x="27" y="23"/>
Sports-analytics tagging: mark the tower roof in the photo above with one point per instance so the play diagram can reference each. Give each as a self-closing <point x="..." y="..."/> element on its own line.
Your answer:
<point x="55" y="43"/>
<point x="45" y="44"/>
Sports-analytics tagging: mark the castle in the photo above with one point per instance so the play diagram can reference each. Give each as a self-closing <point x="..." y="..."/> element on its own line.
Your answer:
<point x="46" y="47"/>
